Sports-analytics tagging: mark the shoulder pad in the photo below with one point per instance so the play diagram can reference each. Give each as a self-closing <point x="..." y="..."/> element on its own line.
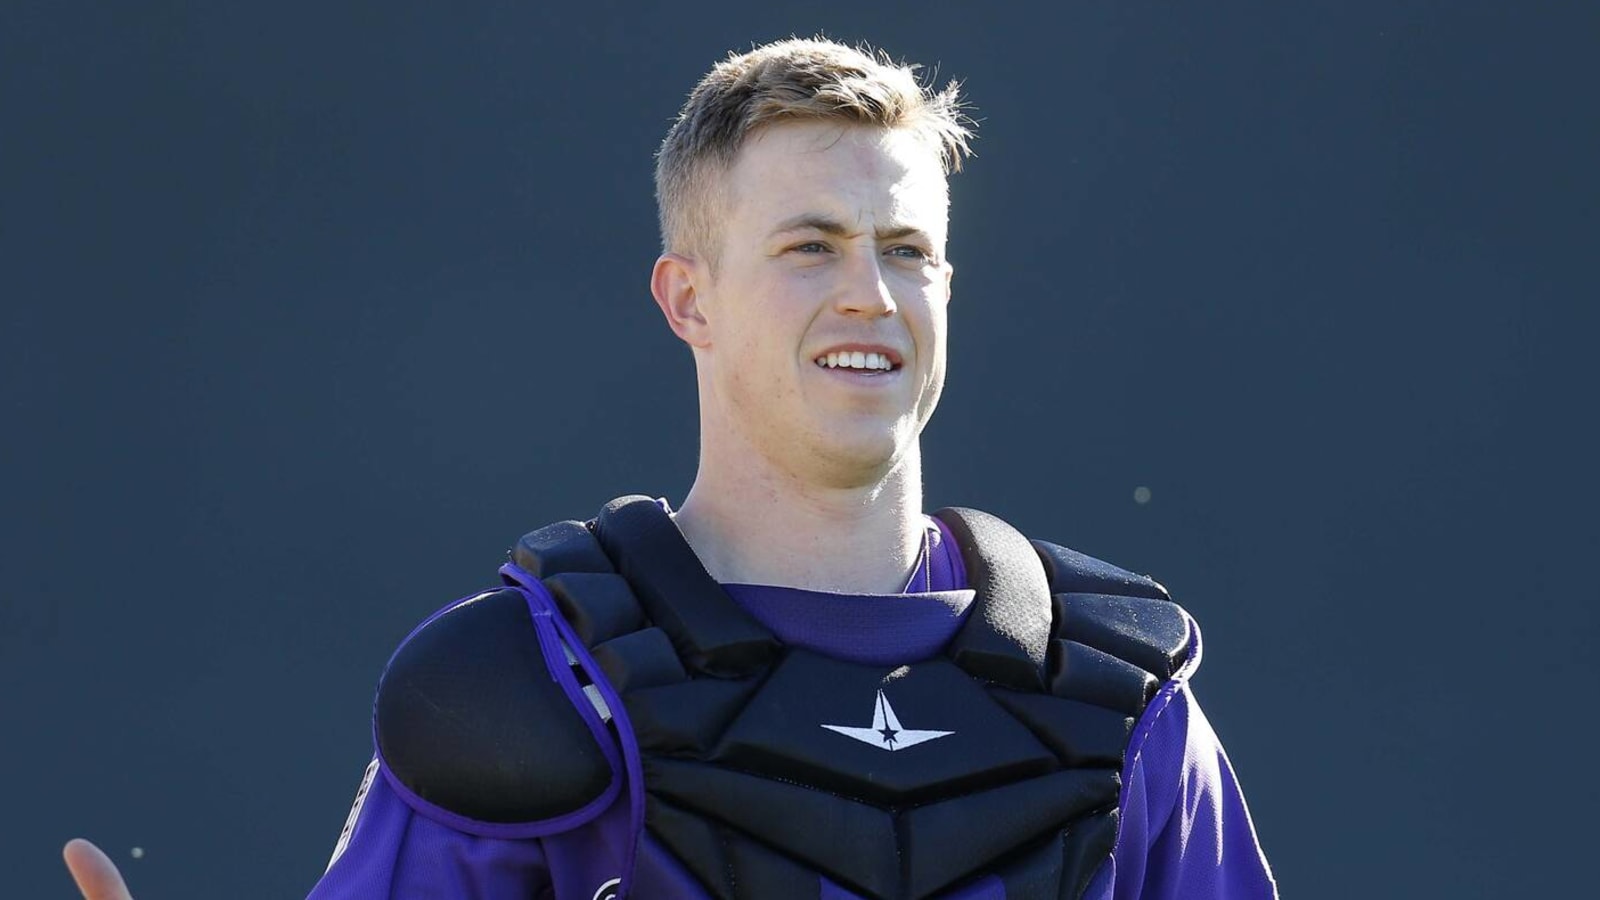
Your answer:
<point x="1112" y="636"/>
<point x="567" y="546"/>
<point x="1114" y="611"/>
<point x="1071" y="572"/>
<point x="471" y="719"/>
<point x="1007" y="637"/>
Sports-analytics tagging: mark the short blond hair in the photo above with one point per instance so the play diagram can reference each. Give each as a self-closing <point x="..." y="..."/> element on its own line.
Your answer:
<point x="790" y="81"/>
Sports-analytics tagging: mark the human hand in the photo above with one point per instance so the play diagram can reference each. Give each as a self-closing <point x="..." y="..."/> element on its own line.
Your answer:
<point x="95" y="873"/>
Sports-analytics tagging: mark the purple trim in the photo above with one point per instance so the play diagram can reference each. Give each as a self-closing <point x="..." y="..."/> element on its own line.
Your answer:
<point x="435" y="615"/>
<point x="509" y="830"/>
<point x="922" y="568"/>
<point x="831" y="891"/>
<point x="555" y="664"/>
<point x="871" y="629"/>
<point x="619" y="715"/>
<point x="952" y="555"/>
<point x="1157" y="706"/>
<point x="988" y="887"/>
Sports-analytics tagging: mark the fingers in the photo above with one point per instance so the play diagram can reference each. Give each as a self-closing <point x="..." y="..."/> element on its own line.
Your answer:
<point x="95" y="873"/>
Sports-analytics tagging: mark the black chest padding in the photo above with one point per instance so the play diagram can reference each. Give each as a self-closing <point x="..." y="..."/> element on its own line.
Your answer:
<point x="608" y="609"/>
<point x="469" y="718"/>
<point x="1127" y="616"/>
<point x="1072" y="572"/>
<point x="1007" y="637"/>
<point x="782" y="733"/>
<point x="1150" y="634"/>
<point x="712" y="634"/>
<point x="769" y="767"/>
<point x="560" y="547"/>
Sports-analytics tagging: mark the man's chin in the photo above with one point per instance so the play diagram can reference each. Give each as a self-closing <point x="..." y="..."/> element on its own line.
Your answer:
<point x="861" y="460"/>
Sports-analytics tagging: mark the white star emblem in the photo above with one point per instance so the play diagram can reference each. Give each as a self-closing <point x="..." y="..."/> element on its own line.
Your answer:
<point x="886" y="732"/>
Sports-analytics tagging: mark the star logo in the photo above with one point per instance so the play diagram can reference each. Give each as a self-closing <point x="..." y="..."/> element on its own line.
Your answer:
<point x="885" y="732"/>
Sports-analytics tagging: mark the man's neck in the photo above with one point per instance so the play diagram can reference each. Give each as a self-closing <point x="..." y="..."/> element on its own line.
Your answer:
<point x="762" y="526"/>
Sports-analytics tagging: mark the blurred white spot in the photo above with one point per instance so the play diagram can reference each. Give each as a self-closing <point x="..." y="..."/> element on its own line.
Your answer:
<point x="1141" y="495"/>
<point x="137" y="853"/>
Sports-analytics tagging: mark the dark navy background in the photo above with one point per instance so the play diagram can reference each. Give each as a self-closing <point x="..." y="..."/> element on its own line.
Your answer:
<point x="310" y="309"/>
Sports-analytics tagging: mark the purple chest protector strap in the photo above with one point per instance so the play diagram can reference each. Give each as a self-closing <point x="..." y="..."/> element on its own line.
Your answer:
<point x="593" y="696"/>
<point x="481" y="725"/>
<point x="649" y="614"/>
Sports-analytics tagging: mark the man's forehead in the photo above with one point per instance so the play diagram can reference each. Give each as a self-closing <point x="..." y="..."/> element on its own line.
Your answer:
<point x="844" y="173"/>
<point x="809" y="147"/>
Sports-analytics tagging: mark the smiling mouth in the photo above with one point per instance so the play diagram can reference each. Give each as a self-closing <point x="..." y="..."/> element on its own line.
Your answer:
<point x="857" y="361"/>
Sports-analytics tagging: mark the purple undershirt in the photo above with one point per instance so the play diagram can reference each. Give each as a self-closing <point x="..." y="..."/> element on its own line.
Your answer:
<point x="871" y="629"/>
<point x="1184" y="832"/>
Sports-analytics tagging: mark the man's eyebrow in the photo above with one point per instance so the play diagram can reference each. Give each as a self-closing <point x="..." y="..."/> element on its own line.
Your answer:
<point x="831" y="226"/>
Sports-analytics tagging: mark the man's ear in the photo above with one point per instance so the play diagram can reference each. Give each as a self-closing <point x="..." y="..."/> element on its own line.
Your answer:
<point x="676" y="282"/>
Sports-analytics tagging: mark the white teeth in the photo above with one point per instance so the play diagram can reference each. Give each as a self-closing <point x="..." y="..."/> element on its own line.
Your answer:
<point x="856" y="360"/>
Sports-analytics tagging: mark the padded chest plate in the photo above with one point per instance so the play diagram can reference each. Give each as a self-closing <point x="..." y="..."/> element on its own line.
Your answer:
<point x="768" y="768"/>
<point x="894" y="738"/>
<point x="872" y="777"/>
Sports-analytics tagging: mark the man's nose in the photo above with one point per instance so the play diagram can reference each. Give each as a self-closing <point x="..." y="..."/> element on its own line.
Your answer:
<point x="864" y="292"/>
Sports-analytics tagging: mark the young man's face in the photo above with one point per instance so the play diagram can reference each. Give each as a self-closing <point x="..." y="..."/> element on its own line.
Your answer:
<point x="832" y="256"/>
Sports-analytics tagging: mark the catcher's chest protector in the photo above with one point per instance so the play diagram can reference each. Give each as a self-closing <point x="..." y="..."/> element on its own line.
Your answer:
<point x="767" y="768"/>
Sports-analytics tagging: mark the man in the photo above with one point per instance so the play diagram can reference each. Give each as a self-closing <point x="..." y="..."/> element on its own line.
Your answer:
<point x="797" y="684"/>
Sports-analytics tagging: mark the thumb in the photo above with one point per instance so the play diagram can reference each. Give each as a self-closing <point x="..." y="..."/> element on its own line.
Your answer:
<point x="95" y="873"/>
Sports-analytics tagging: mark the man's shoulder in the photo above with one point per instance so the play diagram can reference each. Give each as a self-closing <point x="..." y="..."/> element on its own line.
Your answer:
<point x="1071" y="571"/>
<point x="1100" y="605"/>
<point x="1094" y="631"/>
<point x="480" y="719"/>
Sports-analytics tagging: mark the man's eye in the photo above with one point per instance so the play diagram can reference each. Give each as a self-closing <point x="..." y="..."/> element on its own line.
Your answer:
<point x="811" y="247"/>
<point x="909" y="252"/>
